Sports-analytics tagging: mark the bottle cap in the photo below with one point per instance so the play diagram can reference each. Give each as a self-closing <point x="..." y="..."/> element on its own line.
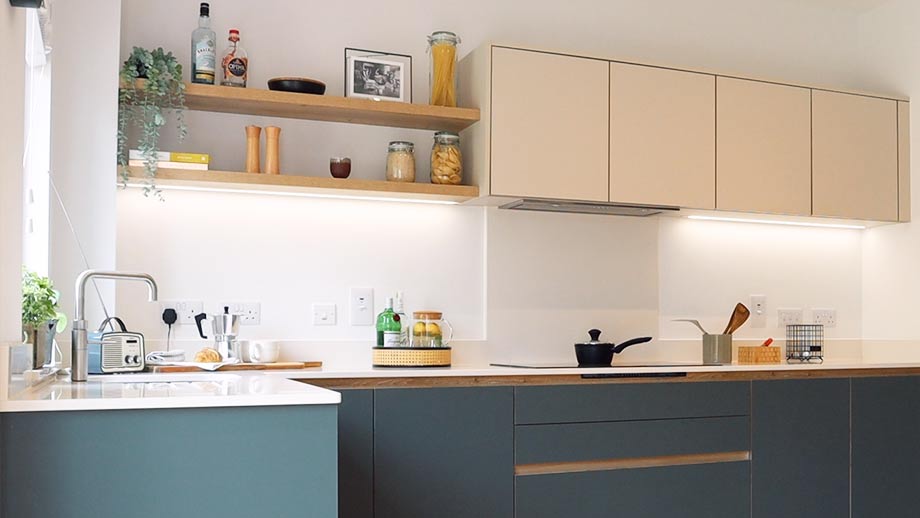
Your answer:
<point x="204" y="9"/>
<point x="398" y="302"/>
<point x="234" y="31"/>
<point x="389" y="303"/>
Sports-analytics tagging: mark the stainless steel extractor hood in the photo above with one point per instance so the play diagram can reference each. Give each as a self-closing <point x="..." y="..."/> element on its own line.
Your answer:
<point x="581" y="207"/>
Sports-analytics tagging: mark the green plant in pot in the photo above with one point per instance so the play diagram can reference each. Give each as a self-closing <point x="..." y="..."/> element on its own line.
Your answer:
<point x="41" y="316"/>
<point x="146" y="104"/>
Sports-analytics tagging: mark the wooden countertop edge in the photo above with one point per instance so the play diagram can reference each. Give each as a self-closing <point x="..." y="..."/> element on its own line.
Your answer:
<point x="571" y="379"/>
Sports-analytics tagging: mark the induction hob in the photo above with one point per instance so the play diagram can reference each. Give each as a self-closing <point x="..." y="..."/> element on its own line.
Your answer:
<point x="573" y="365"/>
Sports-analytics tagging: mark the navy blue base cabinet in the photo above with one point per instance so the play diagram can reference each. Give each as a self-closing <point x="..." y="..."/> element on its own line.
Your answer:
<point x="277" y="461"/>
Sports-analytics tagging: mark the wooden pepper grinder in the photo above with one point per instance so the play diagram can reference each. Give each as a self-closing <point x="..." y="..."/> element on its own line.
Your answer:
<point x="253" y="141"/>
<point x="272" y="153"/>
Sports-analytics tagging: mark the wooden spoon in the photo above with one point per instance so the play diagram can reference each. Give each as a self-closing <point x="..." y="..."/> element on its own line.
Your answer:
<point x="739" y="317"/>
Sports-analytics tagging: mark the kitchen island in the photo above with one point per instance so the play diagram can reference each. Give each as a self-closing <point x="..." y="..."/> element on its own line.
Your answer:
<point x="202" y="445"/>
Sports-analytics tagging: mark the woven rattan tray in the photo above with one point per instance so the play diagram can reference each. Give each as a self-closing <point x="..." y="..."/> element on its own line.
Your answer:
<point x="411" y="356"/>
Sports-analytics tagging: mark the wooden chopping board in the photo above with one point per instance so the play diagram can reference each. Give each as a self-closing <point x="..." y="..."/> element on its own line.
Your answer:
<point x="159" y="369"/>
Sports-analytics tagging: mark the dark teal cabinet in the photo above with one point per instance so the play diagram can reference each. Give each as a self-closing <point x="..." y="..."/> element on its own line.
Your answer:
<point x="444" y="452"/>
<point x="801" y="448"/>
<point x="356" y="454"/>
<point x="886" y="447"/>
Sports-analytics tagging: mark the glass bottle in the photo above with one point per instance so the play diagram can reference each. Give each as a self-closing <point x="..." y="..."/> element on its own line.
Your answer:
<point x="235" y="63"/>
<point x="401" y="161"/>
<point x="443" y="70"/>
<point x="399" y="308"/>
<point x="446" y="159"/>
<point x="388" y="327"/>
<point x="204" y="56"/>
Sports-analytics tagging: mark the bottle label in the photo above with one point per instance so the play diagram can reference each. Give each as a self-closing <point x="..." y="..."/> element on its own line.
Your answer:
<point x="237" y="67"/>
<point x="205" y="60"/>
<point x="392" y="338"/>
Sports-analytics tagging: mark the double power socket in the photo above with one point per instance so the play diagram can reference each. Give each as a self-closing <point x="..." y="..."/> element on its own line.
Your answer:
<point x="250" y="312"/>
<point x="789" y="316"/>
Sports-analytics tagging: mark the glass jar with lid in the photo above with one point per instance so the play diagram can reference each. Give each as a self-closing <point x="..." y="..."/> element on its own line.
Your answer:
<point x="428" y="328"/>
<point x="401" y="161"/>
<point x="446" y="159"/>
<point x="443" y="70"/>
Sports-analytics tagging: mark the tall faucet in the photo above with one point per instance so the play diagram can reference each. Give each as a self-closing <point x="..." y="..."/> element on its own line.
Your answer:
<point x="79" y="356"/>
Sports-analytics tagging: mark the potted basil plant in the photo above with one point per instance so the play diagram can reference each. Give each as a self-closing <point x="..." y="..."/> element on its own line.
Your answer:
<point x="41" y="315"/>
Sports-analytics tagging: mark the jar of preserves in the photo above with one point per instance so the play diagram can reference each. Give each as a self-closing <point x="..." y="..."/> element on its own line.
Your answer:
<point x="446" y="160"/>
<point x="443" y="70"/>
<point x="428" y="328"/>
<point x="401" y="161"/>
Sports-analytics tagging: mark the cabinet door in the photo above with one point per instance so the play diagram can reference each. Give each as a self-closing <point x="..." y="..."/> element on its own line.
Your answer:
<point x="549" y="126"/>
<point x="801" y="448"/>
<point x="356" y="454"/>
<point x="662" y="137"/>
<point x="763" y="158"/>
<point x="855" y="147"/>
<point x="886" y="457"/>
<point x="443" y="452"/>
<point x="903" y="161"/>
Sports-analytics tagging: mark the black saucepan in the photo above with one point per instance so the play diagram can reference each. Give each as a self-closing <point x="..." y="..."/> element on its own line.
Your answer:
<point x="600" y="354"/>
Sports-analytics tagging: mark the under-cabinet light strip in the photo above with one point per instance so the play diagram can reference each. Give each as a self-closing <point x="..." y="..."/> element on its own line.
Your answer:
<point x="297" y="194"/>
<point x="786" y="223"/>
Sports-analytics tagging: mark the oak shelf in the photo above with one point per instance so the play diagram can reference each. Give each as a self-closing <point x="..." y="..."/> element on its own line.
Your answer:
<point x="254" y="101"/>
<point x="310" y="185"/>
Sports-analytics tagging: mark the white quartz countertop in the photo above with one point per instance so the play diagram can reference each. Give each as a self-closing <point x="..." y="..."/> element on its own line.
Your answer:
<point x="147" y="391"/>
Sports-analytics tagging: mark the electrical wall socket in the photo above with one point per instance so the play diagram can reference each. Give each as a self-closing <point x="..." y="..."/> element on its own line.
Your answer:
<point x="787" y="317"/>
<point x="361" y="306"/>
<point x="825" y="316"/>
<point x="758" y="311"/>
<point x="250" y="312"/>
<point x="185" y="309"/>
<point x="324" y="315"/>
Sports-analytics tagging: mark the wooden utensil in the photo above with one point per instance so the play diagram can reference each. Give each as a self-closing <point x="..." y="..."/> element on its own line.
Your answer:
<point x="739" y="317"/>
<point x="159" y="369"/>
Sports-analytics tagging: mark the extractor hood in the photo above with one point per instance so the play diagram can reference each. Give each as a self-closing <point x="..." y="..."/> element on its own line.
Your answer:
<point x="581" y="207"/>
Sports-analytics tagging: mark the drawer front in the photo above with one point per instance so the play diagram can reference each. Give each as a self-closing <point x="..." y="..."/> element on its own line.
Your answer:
<point x="630" y="402"/>
<point x="698" y="491"/>
<point x="629" y="439"/>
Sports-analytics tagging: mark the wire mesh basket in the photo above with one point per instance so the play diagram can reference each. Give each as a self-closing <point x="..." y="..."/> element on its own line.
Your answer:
<point x="805" y="343"/>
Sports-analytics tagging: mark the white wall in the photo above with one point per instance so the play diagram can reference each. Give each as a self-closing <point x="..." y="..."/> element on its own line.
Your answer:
<point x="546" y="282"/>
<point x="12" y="94"/>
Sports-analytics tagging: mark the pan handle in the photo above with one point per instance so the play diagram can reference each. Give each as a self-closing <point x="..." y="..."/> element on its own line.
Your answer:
<point x="635" y="341"/>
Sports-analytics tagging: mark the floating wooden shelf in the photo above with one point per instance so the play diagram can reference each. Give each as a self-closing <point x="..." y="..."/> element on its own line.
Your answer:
<point x="254" y="101"/>
<point x="319" y="186"/>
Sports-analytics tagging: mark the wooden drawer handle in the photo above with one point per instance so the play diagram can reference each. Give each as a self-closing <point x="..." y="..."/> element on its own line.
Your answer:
<point x="547" y="468"/>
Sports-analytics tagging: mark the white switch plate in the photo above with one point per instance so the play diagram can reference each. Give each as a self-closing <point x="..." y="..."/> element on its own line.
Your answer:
<point x="250" y="312"/>
<point x="825" y="316"/>
<point x="788" y="316"/>
<point x="324" y="314"/>
<point x="758" y="311"/>
<point x="185" y="309"/>
<point x="361" y="306"/>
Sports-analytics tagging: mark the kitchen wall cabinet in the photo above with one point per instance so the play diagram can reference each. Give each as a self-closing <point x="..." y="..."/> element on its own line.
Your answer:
<point x="801" y="448"/>
<point x="855" y="164"/>
<point x="443" y="452"/>
<point x="549" y="125"/>
<point x="886" y="459"/>
<point x="662" y="137"/>
<point x="356" y="454"/>
<point x="763" y="147"/>
<point x="903" y="161"/>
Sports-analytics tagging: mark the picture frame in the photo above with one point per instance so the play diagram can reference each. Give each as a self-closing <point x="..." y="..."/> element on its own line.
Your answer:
<point x="381" y="76"/>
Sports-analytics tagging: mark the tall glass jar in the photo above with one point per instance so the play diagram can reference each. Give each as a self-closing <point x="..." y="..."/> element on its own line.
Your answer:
<point x="446" y="160"/>
<point x="401" y="161"/>
<point x="443" y="71"/>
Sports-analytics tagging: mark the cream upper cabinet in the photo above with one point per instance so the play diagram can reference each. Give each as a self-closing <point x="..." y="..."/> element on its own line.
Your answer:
<point x="763" y="143"/>
<point x="662" y="136"/>
<point x="549" y="126"/>
<point x="903" y="161"/>
<point x="855" y="147"/>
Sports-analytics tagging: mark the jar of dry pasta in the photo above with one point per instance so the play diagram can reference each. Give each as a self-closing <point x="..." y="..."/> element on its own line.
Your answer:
<point x="443" y="71"/>
<point x="401" y="161"/>
<point x="446" y="160"/>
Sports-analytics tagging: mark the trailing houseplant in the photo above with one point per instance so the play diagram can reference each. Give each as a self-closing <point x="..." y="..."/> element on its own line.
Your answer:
<point x="146" y="105"/>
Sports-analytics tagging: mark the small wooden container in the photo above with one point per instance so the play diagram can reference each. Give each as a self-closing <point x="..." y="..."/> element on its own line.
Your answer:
<point x="411" y="357"/>
<point x="759" y="354"/>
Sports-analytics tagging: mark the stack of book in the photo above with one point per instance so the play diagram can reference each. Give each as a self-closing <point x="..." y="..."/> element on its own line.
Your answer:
<point x="173" y="160"/>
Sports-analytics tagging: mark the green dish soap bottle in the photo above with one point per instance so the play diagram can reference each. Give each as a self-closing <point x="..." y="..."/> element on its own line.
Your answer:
<point x="388" y="327"/>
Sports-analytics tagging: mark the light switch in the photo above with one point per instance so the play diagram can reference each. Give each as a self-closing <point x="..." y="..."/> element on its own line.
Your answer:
<point x="361" y="306"/>
<point x="324" y="314"/>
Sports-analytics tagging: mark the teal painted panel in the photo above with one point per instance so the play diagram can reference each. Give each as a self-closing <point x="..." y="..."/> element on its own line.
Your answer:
<point x="274" y="462"/>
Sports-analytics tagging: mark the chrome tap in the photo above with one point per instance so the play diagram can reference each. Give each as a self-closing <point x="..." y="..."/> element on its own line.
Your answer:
<point x="79" y="359"/>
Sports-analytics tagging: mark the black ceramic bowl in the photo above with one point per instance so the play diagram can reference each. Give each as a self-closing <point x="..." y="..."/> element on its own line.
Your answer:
<point x="591" y="355"/>
<point x="300" y="85"/>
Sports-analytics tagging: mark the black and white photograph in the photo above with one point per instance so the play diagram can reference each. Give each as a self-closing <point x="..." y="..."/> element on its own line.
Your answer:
<point x="375" y="79"/>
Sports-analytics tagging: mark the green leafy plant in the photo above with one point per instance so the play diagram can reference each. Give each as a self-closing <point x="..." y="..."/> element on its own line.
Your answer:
<point x="39" y="301"/>
<point x="146" y="104"/>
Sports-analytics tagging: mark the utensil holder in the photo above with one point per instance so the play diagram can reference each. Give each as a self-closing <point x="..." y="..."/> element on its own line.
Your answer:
<point x="717" y="349"/>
